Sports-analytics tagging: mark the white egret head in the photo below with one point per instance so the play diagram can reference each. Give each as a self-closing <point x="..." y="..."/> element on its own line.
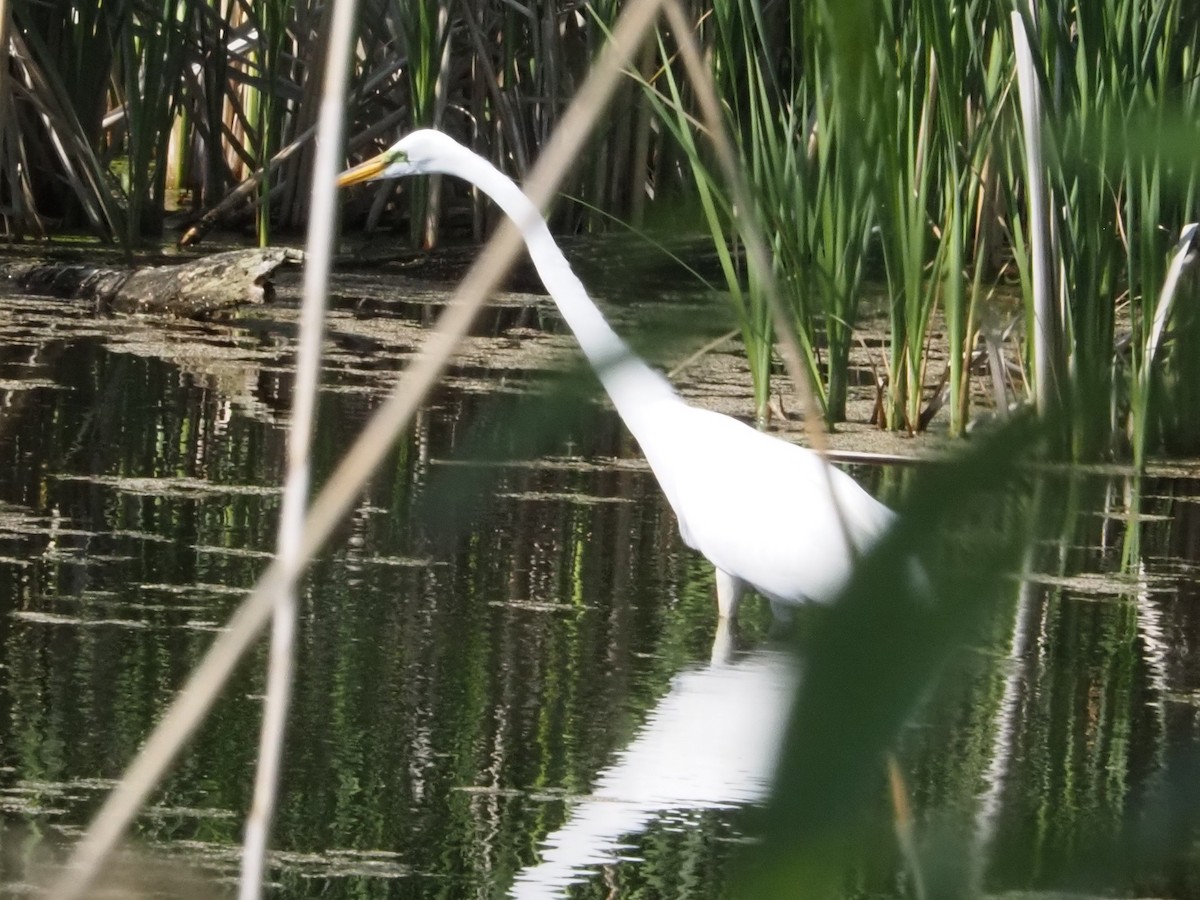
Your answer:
<point x="421" y="152"/>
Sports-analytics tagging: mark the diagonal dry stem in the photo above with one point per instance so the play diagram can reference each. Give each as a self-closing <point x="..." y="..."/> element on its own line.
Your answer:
<point x="197" y="696"/>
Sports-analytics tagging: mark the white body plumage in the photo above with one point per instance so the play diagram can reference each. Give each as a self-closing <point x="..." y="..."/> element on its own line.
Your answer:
<point x="760" y="509"/>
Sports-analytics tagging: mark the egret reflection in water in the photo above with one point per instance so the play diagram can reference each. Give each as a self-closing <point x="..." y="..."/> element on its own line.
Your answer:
<point x="711" y="742"/>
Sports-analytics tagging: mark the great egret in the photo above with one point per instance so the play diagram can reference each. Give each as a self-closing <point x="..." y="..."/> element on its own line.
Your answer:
<point x="760" y="509"/>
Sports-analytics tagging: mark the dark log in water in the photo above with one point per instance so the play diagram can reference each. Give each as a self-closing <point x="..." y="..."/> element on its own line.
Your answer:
<point x="192" y="290"/>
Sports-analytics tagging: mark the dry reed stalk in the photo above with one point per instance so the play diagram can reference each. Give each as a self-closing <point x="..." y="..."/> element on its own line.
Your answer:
<point x="1048" y="329"/>
<point x="318" y="263"/>
<point x="200" y="691"/>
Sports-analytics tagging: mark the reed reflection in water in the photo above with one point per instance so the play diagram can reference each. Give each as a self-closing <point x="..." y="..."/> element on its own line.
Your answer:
<point x="490" y="706"/>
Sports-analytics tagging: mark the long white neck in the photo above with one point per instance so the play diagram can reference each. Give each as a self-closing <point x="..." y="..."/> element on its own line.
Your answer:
<point x="631" y="384"/>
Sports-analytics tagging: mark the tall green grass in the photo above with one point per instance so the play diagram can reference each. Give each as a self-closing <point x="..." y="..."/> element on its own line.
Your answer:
<point x="265" y="108"/>
<point x="943" y="77"/>
<point x="1112" y="72"/>
<point x="151" y="58"/>
<point x="811" y="195"/>
<point x="746" y="293"/>
<point x="856" y="144"/>
<point x="901" y="122"/>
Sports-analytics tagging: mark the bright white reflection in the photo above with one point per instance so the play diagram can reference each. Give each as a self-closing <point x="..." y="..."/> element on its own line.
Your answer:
<point x="711" y="742"/>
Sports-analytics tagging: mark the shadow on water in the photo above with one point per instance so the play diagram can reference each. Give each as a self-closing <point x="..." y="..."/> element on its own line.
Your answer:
<point x="504" y="665"/>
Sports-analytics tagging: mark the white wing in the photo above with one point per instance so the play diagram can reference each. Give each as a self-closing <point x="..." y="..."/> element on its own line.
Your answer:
<point x="761" y="508"/>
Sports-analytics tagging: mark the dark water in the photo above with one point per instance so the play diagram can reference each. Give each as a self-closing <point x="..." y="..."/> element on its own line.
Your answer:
<point x="504" y="680"/>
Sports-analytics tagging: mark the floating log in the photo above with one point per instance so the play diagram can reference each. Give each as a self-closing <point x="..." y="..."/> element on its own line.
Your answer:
<point x="198" y="289"/>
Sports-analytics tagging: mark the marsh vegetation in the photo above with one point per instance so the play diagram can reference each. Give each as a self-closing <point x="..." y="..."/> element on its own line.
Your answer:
<point x="882" y="146"/>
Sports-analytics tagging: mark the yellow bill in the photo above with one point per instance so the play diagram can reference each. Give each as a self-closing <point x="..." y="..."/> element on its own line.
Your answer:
<point x="364" y="171"/>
